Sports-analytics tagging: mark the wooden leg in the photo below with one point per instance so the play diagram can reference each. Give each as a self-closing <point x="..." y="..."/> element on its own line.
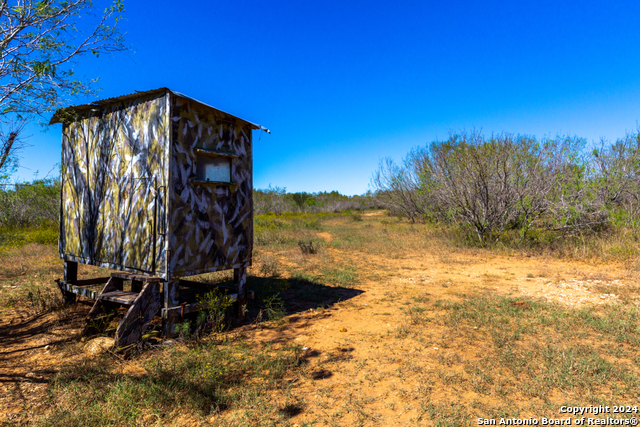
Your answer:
<point x="94" y="319"/>
<point x="139" y="315"/>
<point x="170" y="295"/>
<point x="240" y="283"/>
<point x="70" y="277"/>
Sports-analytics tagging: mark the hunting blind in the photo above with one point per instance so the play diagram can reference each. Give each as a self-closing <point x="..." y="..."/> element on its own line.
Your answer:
<point x="158" y="186"/>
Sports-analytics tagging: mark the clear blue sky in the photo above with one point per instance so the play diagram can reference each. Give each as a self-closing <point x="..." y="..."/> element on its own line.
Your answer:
<point x="342" y="84"/>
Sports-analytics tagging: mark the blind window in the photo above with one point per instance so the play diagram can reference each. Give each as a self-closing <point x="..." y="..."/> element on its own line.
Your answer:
<point x="213" y="168"/>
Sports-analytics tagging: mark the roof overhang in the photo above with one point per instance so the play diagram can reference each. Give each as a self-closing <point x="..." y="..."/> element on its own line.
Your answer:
<point x="59" y="116"/>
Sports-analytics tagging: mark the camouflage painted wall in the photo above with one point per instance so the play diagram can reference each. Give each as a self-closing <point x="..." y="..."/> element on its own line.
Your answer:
<point x="115" y="164"/>
<point x="210" y="225"/>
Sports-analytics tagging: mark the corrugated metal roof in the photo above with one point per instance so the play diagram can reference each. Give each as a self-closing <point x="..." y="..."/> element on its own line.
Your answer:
<point x="58" y="114"/>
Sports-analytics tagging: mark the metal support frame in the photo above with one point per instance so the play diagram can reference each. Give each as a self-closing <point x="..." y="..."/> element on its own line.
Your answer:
<point x="143" y="308"/>
<point x="240" y="283"/>
<point x="170" y="298"/>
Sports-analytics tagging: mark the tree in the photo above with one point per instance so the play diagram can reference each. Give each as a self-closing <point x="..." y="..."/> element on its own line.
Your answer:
<point x="300" y="199"/>
<point x="40" y="42"/>
<point x="489" y="186"/>
<point x="400" y="187"/>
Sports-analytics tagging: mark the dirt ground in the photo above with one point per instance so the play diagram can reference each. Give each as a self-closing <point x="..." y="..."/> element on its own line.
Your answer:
<point x="359" y="335"/>
<point x="354" y="348"/>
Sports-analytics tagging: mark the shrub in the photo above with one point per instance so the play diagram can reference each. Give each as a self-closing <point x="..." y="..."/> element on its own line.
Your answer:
<point x="489" y="186"/>
<point x="277" y="201"/>
<point x="307" y="249"/>
<point x="30" y="205"/>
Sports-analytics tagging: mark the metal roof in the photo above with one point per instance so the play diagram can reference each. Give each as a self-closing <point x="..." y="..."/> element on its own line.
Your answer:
<point x="102" y="102"/>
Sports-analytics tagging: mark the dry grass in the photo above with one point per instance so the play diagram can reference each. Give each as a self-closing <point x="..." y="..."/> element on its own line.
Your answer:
<point x="389" y="323"/>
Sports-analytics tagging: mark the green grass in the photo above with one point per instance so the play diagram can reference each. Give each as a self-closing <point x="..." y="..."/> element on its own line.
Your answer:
<point x="30" y="295"/>
<point x="286" y="230"/>
<point x="17" y="237"/>
<point x="345" y="276"/>
<point x="503" y="357"/>
<point x="544" y="349"/>
<point x="199" y="380"/>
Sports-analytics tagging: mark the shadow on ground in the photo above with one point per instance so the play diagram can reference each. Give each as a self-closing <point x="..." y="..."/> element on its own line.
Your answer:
<point x="21" y="334"/>
<point x="298" y="294"/>
<point x="295" y="294"/>
<point x="208" y="379"/>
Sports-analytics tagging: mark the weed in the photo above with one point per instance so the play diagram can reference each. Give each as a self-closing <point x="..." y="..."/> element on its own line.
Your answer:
<point x="417" y="316"/>
<point x="542" y="365"/>
<point x="201" y="380"/>
<point x="101" y="324"/>
<point x="356" y="217"/>
<point x="307" y="249"/>
<point x="214" y="308"/>
<point x="274" y="308"/>
<point x="401" y="331"/>
<point x="345" y="277"/>
<point x="270" y="266"/>
<point x="312" y="224"/>
<point x="423" y="299"/>
<point x="184" y="329"/>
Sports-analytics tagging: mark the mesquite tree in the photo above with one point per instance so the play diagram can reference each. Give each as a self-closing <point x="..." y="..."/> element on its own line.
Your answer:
<point x="40" y="42"/>
<point x="400" y="186"/>
<point x="514" y="182"/>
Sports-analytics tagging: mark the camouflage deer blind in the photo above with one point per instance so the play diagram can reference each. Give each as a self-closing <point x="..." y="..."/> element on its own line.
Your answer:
<point x="156" y="183"/>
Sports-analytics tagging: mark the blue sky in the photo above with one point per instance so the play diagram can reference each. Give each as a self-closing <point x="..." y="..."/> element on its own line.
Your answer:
<point x="343" y="84"/>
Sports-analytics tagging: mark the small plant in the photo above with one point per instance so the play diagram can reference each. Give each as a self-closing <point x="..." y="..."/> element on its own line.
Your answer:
<point x="423" y="299"/>
<point x="213" y="314"/>
<point x="36" y="300"/>
<point x="184" y="329"/>
<point x="356" y="216"/>
<point x="345" y="277"/>
<point x="274" y="308"/>
<point x="313" y="224"/>
<point x="101" y="324"/>
<point x="270" y="266"/>
<point x="307" y="249"/>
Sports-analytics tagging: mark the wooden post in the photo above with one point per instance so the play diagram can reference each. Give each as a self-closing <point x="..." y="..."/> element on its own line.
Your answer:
<point x="240" y="282"/>
<point x="170" y="297"/>
<point x="70" y="277"/>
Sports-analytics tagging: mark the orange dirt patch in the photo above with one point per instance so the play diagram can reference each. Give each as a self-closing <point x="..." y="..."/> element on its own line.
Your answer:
<point x="325" y="236"/>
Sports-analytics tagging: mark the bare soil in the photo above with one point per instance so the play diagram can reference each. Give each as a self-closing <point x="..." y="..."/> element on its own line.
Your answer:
<point x="354" y="350"/>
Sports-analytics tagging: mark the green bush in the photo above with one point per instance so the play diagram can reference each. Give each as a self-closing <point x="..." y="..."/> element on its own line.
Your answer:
<point x="277" y="201"/>
<point x="30" y="205"/>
